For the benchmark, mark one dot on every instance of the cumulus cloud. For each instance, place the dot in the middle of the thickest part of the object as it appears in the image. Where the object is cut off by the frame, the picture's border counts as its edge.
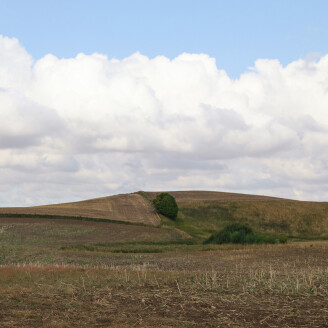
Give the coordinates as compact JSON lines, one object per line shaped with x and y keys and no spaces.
{"x":25,"y":123}
{"x":74,"y":128}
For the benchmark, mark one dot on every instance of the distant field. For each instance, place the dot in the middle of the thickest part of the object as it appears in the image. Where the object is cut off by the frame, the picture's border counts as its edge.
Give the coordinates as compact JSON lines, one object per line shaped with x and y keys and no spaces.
{"x":53,"y":232}
{"x":214,"y":196}
{"x":203,"y":212}
{"x":128,"y":207}
{"x":277,"y":218}
{"x":200,"y":213}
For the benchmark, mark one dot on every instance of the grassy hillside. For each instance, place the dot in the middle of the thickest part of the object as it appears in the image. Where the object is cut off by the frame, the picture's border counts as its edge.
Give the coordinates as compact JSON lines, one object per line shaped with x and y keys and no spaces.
{"x":191,"y":196}
{"x":202,"y":213}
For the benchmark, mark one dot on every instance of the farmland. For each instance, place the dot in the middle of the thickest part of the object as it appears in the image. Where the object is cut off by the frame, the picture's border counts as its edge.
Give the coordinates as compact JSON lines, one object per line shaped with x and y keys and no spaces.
{"x":126,"y":207}
{"x":62,"y":272}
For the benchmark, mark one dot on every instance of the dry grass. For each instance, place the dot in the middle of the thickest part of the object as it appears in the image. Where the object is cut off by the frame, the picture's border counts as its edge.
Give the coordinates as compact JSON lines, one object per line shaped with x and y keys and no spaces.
{"x":214,"y":196}
{"x":276,"y":286}
{"x":284,"y":217}
{"x":202,"y":213}
{"x":128,"y":207}
{"x":200,"y":210}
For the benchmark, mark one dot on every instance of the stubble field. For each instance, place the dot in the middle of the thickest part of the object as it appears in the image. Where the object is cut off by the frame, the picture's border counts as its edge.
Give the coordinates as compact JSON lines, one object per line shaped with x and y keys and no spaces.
{"x":228,"y":286}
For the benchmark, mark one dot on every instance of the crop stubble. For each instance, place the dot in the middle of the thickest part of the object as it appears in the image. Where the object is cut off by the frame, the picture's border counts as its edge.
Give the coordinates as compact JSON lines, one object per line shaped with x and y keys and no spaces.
{"x":258,"y":286}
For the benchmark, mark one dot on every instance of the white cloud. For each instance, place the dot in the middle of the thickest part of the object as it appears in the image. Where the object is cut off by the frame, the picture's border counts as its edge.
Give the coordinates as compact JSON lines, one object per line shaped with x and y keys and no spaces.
{"x":89,"y":126}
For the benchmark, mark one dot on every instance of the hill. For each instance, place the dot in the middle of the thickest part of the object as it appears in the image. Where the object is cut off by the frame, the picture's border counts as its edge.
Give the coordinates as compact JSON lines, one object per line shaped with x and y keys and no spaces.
{"x":126,"y":207}
{"x":203,"y":212}
{"x":214,"y":196}
{"x":200,"y":213}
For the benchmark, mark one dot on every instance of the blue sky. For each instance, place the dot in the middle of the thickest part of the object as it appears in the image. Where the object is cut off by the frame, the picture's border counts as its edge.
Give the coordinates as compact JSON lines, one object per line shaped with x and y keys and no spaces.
{"x":236,"y":33}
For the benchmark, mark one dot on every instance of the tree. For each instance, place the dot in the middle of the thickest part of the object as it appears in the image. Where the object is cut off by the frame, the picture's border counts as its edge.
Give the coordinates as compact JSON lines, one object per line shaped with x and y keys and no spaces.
{"x":165,"y":204}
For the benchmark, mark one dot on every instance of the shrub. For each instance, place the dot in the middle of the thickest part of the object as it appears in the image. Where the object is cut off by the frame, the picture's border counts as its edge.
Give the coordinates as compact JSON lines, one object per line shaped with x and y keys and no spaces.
{"x":165,"y":204}
{"x":238,"y":234}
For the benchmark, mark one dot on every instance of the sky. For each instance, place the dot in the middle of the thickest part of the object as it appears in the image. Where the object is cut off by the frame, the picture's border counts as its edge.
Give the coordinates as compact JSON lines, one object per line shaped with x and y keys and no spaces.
{"x":105,"y":97}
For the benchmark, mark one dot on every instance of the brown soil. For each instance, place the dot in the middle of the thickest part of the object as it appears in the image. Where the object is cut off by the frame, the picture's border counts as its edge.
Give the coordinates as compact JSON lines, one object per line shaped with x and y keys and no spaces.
{"x":50,"y":232}
{"x":148,"y":306}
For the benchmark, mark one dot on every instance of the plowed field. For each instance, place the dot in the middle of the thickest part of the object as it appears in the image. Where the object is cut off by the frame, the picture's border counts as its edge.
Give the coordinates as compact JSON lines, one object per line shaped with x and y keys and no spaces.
{"x":53,"y":232}
{"x":128,"y":207}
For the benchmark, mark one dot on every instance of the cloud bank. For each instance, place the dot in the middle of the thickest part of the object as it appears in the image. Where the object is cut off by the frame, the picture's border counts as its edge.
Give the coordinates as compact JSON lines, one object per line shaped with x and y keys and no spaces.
{"x":89,"y":126}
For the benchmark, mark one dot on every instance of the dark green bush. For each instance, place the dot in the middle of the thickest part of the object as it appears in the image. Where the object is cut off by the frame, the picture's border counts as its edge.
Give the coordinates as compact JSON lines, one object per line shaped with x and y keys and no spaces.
{"x":238,"y":234}
{"x":165,"y":204}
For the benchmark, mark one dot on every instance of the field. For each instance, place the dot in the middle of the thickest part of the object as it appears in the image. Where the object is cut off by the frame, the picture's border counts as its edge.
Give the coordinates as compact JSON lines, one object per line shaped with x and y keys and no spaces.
{"x":80,"y":272}
{"x":191,"y":196}
{"x":127,"y":207}
{"x":203,"y":212}
{"x":267,"y":286}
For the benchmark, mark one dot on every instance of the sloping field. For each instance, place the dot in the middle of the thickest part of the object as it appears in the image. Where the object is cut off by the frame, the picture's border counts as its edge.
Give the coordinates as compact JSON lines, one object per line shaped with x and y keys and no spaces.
{"x":128,"y":207}
{"x":204,"y":212}
{"x":213,"y":196}
{"x":47,"y":232}
{"x":201,"y":212}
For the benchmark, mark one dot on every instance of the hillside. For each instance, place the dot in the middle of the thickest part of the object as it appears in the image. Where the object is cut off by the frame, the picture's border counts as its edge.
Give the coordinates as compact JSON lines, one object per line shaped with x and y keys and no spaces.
{"x":127,"y":207}
{"x":201,"y":213}
{"x":190,"y":196}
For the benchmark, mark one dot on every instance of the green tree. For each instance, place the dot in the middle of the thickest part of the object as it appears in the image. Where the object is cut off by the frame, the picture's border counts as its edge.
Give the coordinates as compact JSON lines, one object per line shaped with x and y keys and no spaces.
{"x":165,"y":204}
